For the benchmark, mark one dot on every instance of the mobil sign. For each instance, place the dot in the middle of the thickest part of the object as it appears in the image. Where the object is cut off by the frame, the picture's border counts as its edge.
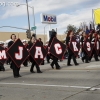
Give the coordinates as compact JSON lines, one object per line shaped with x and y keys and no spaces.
{"x":48,"y":19}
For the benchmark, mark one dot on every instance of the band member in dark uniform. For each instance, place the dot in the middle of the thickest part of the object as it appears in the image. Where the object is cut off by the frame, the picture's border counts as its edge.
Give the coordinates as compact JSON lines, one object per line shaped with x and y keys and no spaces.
{"x":40,"y":41}
{"x":71,"y":54}
{"x":48,"y":55}
{"x":94,"y":36}
{"x":42,"y":44}
{"x":1,"y":65}
{"x":85,"y":55}
{"x":98,"y":28}
{"x":48,"y":58}
{"x":25,"y":63}
{"x":55,"y":59}
{"x":13,"y":66}
{"x":7,"y":61}
{"x":32,"y":41}
{"x":99,"y":44}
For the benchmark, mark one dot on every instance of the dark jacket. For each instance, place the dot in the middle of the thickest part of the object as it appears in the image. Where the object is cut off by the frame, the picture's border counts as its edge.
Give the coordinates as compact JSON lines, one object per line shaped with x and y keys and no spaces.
{"x":29,"y":47}
{"x":67,"y":43}
{"x":67,"y":40}
{"x":10,"y":43}
{"x":41,"y":42}
{"x":50,"y":41}
{"x":82,"y":40}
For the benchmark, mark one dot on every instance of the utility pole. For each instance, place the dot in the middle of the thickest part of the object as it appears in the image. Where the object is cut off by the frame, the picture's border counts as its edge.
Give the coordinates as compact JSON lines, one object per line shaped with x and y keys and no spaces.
{"x":28,"y":18}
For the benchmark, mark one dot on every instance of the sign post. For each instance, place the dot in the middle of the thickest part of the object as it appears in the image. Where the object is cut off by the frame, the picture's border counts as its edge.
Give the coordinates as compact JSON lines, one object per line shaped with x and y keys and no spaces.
{"x":48,"y":19}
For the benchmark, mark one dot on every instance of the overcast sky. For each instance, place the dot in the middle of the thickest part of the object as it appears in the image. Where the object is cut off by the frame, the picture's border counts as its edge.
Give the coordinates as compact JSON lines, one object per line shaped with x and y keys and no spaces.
{"x":67,"y":11}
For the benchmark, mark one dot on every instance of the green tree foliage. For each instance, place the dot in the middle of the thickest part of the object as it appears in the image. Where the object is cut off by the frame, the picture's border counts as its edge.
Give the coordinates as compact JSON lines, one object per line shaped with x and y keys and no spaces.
{"x":71,"y":27}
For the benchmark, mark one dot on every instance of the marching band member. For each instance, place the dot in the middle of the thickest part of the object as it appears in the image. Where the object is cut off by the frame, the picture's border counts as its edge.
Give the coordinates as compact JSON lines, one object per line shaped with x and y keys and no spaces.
{"x":71,"y":54}
{"x":40,"y":41}
{"x":48,"y":55}
{"x":99,"y":43}
{"x":98,"y":28}
{"x":26,"y":46}
{"x":13,"y":66}
{"x":55,"y":59}
{"x":32,"y":41}
{"x":42,"y":44}
{"x":85,"y":55}
{"x":1,"y":65}
{"x":94,"y":36}
{"x":7,"y":61}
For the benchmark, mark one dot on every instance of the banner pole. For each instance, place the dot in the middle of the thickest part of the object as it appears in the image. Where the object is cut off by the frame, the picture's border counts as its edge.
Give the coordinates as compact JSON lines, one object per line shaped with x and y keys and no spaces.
{"x":93,"y":19}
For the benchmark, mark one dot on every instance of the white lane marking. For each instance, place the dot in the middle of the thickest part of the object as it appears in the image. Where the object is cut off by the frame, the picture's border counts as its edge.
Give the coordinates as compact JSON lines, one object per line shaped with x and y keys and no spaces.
{"x":44,"y":85}
{"x":93,"y":66}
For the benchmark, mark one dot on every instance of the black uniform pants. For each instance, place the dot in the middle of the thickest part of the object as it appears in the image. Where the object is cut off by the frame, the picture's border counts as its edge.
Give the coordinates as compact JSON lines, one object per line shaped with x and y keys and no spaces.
{"x":25,"y":62}
{"x":15,"y":69}
{"x":42,"y":62}
{"x":48,"y":58}
{"x":55,"y":61}
{"x":85,"y":56}
{"x":70,"y":56}
{"x":2,"y":67}
{"x":32,"y":67}
{"x":95,"y":55}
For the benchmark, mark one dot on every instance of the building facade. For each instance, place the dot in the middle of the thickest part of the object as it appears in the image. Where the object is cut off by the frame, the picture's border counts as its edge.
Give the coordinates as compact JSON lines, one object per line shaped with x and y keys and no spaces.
{"x":22,"y":35}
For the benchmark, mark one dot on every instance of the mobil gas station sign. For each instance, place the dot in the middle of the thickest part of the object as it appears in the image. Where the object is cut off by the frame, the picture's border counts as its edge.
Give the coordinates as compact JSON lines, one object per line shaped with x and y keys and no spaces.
{"x":48,"y":19}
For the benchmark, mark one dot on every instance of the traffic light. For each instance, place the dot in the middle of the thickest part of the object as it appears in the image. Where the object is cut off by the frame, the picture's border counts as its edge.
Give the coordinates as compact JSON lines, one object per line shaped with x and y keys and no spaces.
{"x":28,"y":34}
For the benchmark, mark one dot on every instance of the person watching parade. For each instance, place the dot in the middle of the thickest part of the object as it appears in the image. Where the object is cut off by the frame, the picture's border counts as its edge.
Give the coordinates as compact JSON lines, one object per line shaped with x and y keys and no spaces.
{"x":87,"y":30}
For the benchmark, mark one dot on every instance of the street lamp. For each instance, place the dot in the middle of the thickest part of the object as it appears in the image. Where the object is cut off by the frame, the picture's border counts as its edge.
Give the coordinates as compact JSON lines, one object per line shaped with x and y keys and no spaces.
{"x":33,"y":14}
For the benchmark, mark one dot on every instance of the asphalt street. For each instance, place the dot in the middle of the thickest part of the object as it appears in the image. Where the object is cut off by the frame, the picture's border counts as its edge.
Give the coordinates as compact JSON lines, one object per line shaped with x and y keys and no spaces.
{"x":70,"y":83}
